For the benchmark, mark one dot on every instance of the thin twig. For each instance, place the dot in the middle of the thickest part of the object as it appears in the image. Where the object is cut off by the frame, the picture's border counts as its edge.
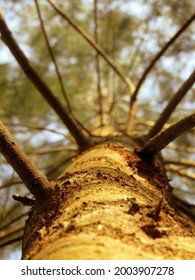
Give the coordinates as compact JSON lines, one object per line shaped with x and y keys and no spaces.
{"x":11,"y":241}
{"x":9,"y":184}
{"x":53,"y":150}
{"x":147,"y":71}
{"x":14,"y":220}
{"x":96,"y":46}
{"x":52,"y":56}
{"x":182,"y":149}
{"x":184,"y":207}
{"x":162,"y":139}
{"x":33,"y":127}
{"x":162,"y":51}
{"x":182,"y":161}
{"x":64,"y":92}
{"x":99,"y":89}
{"x":8,"y":39}
{"x":182,"y":173}
{"x":11,"y":231}
{"x":175,"y":100}
{"x":9,"y":212}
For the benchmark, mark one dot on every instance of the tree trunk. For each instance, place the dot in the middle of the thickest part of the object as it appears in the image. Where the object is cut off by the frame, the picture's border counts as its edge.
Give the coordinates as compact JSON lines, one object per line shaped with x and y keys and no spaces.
{"x":109,"y":204}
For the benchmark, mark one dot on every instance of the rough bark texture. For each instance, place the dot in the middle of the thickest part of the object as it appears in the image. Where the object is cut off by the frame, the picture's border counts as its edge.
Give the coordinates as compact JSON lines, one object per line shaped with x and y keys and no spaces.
{"x":109,"y":204}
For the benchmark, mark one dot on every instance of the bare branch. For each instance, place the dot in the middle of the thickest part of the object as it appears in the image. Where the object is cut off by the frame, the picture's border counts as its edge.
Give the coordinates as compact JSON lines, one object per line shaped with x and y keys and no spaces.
{"x":11,"y":231}
{"x":162,"y":51}
{"x":11,"y":241}
{"x":147,"y":71}
{"x":99,"y":89}
{"x":182,"y":149}
{"x":34,"y":180}
{"x":52,"y":55}
{"x":13,"y":221}
{"x":53,"y":150}
{"x":10,"y":183}
{"x":37,"y":81}
{"x":162,"y":139}
{"x":172,"y":105}
{"x":132,"y":115}
{"x":185,"y":207}
{"x":56,"y":67}
{"x":182,"y":173}
{"x":95,"y":45}
{"x":182,"y":161}
{"x":33,"y":127}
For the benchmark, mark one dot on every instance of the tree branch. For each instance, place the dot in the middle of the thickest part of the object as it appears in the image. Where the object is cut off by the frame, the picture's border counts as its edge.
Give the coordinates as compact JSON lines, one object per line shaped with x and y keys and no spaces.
{"x":99,"y":89}
{"x":162,"y":139}
{"x":11,"y":231}
{"x":95,"y":45}
{"x":148,"y":69}
{"x":182,"y":161}
{"x":172,"y":105}
{"x":53,"y":150}
{"x":33,"y":127}
{"x":13,"y":221}
{"x":34,"y":180}
{"x":9,"y":184}
{"x":11,"y":241}
{"x":52,"y":55}
{"x":37,"y":81}
{"x":56,"y":68}
{"x":182,"y":149}
{"x":182,"y":173}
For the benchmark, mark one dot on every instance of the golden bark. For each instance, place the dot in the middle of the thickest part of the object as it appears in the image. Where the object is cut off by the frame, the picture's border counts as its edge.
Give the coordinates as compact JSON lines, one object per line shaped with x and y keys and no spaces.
{"x":110,"y":204}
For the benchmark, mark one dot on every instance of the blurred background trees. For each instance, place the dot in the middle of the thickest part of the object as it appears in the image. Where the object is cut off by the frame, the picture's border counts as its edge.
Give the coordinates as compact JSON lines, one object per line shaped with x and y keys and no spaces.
{"x":131,"y":33}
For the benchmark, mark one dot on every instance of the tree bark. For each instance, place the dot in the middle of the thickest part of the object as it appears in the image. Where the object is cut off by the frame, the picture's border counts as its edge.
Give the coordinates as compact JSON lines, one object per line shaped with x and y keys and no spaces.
{"x":110,"y":204}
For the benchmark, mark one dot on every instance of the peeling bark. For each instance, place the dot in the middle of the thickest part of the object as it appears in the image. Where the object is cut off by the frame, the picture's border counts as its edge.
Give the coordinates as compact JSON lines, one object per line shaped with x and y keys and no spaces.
{"x":110,"y":204}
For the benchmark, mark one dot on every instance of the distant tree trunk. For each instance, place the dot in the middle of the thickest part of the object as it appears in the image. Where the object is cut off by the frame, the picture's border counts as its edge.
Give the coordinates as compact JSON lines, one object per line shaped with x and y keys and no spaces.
{"x":109,"y":204}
